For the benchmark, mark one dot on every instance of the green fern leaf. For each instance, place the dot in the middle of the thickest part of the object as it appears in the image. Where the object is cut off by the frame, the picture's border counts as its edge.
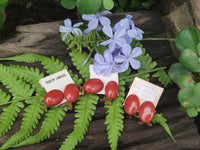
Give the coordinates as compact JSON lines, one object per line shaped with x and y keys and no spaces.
{"x":53,"y":65}
{"x":30,"y":75}
{"x":17,"y":87}
{"x":8,"y":116}
{"x":51,"y":123}
{"x":78,"y":60}
{"x":84,"y":109}
{"x":26,"y":57}
{"x":4,"y":97}
{"x":19,"y":90}
{"x":162,"y":77}
{"x":29,"y":122}
{"x":114,"y":118}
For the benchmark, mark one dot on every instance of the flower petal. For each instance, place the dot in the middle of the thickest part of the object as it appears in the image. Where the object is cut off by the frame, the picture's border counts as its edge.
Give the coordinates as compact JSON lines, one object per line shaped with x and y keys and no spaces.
{"x":126,"y":50}
{"x":77,"y":24}
{"x":77,"y":31}
{"x":112,"y":46}
{"x":124,"y":23}
{"x":88,"y":17}
{"x":107,"y":72}
{"x":119,"y":58}
{"x":68,"y":23}
{"x":64,"y":29}
{"x":106,"y":42}
{"x":99,"y":68}
{"x":108,"y":57}
{"x":120,"y":33}
{"x":124,"y":66}
{"x":106,"y":12}
{"x":120,"y":41}
{"x":108,"y":31}
{"x":135,"y":64}
{"x":98,"y":58}
{"x":64,"y":37}
{"x":137,"y":51}
{"x":93,"y":24}
{"x":104,"y":21}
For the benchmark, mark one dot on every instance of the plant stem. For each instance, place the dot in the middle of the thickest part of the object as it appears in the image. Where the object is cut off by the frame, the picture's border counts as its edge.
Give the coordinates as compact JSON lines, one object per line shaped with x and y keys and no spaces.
{"x":136,"y":74}
{"x":159,"y":39}
{"x":13,"y":101}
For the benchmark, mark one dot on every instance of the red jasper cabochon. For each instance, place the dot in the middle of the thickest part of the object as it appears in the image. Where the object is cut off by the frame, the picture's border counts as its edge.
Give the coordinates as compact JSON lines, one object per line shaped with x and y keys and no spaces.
{"x":111,"y":89}
{"x":146,"y":111}
{"x":131,"y":104}
{"x":53,"y":97}
{"x":71,"y":92}
{"x":93,"y":86}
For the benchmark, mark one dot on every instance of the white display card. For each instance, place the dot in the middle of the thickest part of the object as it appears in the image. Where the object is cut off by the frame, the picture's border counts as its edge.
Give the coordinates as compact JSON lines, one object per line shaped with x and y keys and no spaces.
{"x":58,"y":80}
{"x":105,"y":80}
{"x":145,"y":91}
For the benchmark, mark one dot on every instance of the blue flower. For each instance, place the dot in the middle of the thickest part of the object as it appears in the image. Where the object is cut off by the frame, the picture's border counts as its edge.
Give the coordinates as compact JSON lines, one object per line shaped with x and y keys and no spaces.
{"x":129,"y":57}
{"x":115,"y":40}
{"x":132,"y":30}
{"x":95,"y":19}
{"x":68,"y":28}
{"x":105,"y":64}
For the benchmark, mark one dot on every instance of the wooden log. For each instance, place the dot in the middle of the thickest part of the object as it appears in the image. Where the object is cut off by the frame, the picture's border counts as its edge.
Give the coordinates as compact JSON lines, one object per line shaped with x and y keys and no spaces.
{"x":44,"y":39}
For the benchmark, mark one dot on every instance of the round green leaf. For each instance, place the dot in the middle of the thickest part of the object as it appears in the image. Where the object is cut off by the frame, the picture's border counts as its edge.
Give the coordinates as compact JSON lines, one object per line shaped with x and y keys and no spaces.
{"x":176,"y":71}
{"x":68,"y":4}
{"x":88,"y":6}
{"x":187,"y":98}
{"x":190,"y":60}
{"x":188,"y":37}
{"x":197,"y":90}
{"x":108,"y":4}
{"x":192,"y":112}
{"x":186,"y":81}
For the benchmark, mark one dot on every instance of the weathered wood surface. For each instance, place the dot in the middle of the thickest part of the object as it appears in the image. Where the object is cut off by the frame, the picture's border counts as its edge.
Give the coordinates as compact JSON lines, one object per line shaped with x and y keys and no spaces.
{"x":44,"y":39}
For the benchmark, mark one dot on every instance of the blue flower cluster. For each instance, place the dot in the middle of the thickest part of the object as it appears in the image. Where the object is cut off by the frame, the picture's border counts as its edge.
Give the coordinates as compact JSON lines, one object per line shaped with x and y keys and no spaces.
{"x":119,"y":54}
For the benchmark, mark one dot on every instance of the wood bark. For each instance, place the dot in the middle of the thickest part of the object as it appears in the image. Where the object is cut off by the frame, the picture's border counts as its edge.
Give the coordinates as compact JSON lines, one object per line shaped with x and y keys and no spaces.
{"x":44,"y":38}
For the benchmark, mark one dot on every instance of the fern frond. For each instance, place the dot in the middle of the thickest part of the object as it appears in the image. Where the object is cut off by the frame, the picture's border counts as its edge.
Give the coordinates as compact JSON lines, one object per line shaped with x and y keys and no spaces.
{"x":162,"y":77}
{"x":17,"y":87}
{"x":114,"y":118}
{"x":29,"y":74}
{"x":84,"y":109}
{"x":29,"y":122}
{"x":4,"y":97}
{"x":8,"y":116}
{"x":78,"y":60}
{"x":51,"y":123}
{"x":26,"y":57}
{"x":53,"y":65}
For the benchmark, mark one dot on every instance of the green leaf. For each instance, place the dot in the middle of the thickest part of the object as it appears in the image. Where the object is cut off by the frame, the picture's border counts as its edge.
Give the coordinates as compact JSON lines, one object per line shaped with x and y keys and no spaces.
{"x":8,"y":116}
{"x":84,"y":109}
{"x":88,"y":6}
{"x":4,"y":97}
{"x":78,"y":60}
{"x":190,"y":60}
{"x":187,"y":38}
{"x":108,"y":4}
{"x":51,"y":123}
{"x":186,"y":81}
{"x":176,"y":71}
{"x":158,"y":118}
{"x":192,"y":112}
{"x":197,"y":89}
{"x":29,"y":122}
{"x":187,"y":98}
{"x":26,"y":57}
{"x":3,"y":6}
{"x":162,"y":77}
{"x":114,"y":117}
{"x":68,"y":4}
{"x":3,"y":2}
